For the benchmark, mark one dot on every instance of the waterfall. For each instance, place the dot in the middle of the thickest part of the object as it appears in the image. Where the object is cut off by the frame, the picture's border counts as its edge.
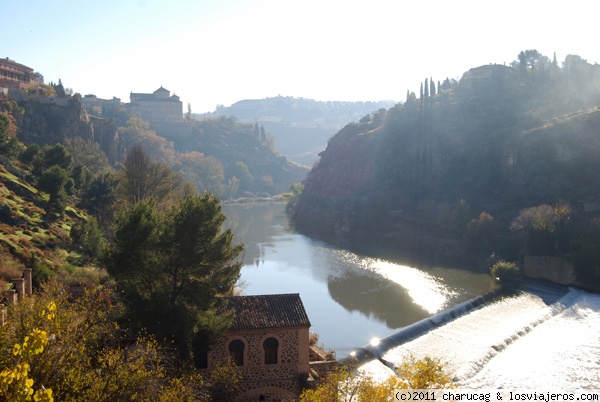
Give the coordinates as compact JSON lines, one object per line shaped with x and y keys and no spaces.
{"x":422,"y":327}
{"x":487,"y":345}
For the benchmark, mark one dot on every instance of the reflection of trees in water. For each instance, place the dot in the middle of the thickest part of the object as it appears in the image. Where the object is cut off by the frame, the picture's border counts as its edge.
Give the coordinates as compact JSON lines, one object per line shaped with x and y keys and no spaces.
{"x":253,"y":224}
{"x":375,"y":297}
{"x":259,"y":226}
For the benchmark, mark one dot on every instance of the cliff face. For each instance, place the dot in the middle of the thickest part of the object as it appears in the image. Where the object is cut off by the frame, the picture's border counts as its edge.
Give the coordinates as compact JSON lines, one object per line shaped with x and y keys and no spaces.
{"x":500,"y":139}
{"x":107,"y":138}
{"x":50,"y":120}
{"x":212,"y":154}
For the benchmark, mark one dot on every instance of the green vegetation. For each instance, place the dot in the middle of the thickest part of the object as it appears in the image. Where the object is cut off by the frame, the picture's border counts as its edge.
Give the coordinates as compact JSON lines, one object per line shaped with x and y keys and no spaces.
{"x":171,"y":267}
{"x":505,"y":271}
{"x":217,"y":155}
{"x":443,"y":176}
{"x":65,"y":344}
{"x":134,"y":330}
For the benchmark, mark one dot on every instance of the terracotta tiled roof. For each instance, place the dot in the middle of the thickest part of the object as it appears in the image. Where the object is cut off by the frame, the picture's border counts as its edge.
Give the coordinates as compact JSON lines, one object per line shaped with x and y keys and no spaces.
{"x":268,"y":311}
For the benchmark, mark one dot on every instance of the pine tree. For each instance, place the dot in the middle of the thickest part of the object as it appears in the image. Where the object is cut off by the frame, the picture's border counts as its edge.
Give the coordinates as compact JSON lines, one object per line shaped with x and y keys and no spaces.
{"x":171,"y":268}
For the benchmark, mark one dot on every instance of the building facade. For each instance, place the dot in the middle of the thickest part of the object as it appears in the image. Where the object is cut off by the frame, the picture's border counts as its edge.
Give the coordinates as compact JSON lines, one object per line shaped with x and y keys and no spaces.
{"x":157,"y":107}
{"x":97,"y":106}
{"x":269,"y":342}
{"x":17,"y":76}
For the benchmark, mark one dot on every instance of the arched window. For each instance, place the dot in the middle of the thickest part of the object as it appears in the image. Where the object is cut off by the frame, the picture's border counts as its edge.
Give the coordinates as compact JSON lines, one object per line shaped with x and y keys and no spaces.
{"x":236,"y":351}
{"x":271,"y":346}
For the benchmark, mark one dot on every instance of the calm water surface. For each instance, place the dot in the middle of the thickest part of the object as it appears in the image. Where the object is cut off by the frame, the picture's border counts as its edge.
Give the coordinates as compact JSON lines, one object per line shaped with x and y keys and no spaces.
{"x":349,"y":298}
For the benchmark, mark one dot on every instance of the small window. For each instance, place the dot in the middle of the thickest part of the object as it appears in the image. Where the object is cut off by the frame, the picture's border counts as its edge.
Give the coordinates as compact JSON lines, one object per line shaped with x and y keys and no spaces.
{"x":271,"y":346}
{"x":236,"y":351}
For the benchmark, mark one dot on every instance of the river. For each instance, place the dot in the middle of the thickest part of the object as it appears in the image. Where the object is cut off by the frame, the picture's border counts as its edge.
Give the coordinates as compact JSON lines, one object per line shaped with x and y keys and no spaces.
{"x":350,"y":299}
{"x":542,"y":339}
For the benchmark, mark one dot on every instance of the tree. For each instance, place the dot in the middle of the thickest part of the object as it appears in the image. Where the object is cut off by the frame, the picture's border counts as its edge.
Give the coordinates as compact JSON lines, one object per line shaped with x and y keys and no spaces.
{"x":56,"y":155}
{"x":9,"y":145}
{"x":141,"y":178}
{"x":482,"y":234}
{"x":55,"y":181}
{"x":188,"y":115}
{"x":292,"y":197}
{"x":224,"y":382}
{"x":172,"y":266}
{"x":241,"y":171}
{"x":533,"y":61}
{"x":31,"y":153}
{"x":425,"y":373}
{"x":346,"y":386}
{"x":99,"y":197}
{"x":87,"y":154}
{"x":87,"y":237}
{"x":545,"y":227}
{"x":72,"y":345}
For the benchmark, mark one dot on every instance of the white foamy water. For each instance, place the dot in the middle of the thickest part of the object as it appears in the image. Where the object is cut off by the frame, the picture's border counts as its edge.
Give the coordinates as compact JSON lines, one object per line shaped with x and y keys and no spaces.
{"x":516,"y":343}
{"x":563,"y":353}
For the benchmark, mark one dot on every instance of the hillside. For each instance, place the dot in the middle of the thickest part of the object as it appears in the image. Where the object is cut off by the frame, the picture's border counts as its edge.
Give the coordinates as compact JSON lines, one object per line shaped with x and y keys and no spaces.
{"x":299,"y":127}
{"x":410,"y":180}
{"x":29,"y":236}
{"x":218,"y":155}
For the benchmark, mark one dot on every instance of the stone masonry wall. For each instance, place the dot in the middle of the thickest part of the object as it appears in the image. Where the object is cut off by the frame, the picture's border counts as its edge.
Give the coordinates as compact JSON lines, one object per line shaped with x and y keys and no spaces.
{"x":554,"y":269}
{"x":257,"y":375}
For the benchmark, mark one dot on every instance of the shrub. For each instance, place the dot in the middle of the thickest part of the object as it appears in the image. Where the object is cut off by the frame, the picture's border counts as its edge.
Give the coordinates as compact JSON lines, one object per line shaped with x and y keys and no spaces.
{"x":85,"y":355}
{"x":505,"y":271}
{"x":413,"y":373}
{"x":10,"y":268}
{"x":88,"y":238}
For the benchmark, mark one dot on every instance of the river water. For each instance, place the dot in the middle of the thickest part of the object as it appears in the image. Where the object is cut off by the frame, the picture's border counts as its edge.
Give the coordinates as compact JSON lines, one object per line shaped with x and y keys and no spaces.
{"x":544,"y":339}
{"x":350,"y":299}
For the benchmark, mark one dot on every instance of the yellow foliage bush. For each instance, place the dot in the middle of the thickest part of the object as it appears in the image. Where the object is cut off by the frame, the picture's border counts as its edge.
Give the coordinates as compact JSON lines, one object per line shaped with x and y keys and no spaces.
{"x":347,"y":386}
{"x":73,"y":346}
{"x":15,"y":382}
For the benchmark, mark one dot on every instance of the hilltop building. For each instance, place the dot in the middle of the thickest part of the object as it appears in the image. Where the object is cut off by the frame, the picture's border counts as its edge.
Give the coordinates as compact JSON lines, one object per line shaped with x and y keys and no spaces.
{"x":17,"y":76}
{"x":269,"y":341}
{"x":93,"y":104}
{"x":157,"y":107}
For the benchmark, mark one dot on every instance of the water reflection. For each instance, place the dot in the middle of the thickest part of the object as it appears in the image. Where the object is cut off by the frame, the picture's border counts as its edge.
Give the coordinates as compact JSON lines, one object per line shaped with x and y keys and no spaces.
{"x":349,"y":298}
{"x":426,"y":290}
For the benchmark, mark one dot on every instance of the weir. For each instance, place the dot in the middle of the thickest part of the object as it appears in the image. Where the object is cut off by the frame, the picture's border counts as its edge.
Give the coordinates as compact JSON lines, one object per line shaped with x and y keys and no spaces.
{"x":536,"y":295}
{"x":419,"y":328}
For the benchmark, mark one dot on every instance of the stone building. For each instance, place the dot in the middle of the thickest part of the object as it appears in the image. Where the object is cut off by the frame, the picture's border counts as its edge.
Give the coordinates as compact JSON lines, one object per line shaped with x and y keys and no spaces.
{"x":17,"y":76}
{"x":97,"y":106}
{"x":270,"y":343}
{"x":157,"y":107}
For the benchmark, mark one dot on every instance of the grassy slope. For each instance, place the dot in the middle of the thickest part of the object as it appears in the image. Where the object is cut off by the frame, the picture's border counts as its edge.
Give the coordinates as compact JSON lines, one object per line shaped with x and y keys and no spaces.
{"x":27,"y":237}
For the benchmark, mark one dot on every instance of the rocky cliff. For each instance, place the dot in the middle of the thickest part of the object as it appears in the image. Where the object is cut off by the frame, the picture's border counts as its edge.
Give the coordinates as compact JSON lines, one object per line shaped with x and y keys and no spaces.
{"x":411,"y":178}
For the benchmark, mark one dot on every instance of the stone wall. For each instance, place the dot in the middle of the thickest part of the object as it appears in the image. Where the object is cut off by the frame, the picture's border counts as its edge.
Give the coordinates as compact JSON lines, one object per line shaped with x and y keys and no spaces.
{"x":272,"y":382}
{"x":553,"y":269}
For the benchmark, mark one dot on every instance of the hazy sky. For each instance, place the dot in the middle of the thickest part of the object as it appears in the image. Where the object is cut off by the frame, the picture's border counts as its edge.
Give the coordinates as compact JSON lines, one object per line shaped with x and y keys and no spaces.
{"x":213,"y":52}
